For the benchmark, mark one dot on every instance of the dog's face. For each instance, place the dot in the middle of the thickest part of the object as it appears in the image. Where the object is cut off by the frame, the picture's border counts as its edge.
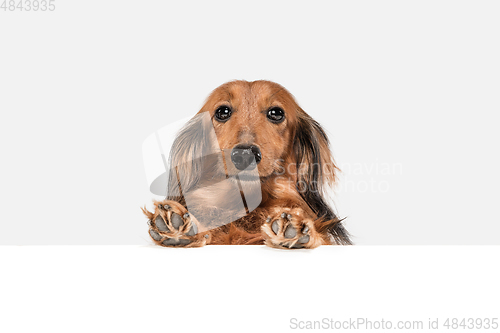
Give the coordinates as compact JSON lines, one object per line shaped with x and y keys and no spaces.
{"x":255,"y":122}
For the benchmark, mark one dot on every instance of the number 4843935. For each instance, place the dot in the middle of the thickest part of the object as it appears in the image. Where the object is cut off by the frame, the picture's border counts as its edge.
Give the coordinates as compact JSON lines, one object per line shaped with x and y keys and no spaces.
{"x":28,"y":5}
{"x":471,"y":323}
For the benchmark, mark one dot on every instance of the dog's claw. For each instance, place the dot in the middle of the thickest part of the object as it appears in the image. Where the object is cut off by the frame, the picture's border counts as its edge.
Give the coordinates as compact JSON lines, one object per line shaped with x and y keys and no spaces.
{"x":164,"y":207}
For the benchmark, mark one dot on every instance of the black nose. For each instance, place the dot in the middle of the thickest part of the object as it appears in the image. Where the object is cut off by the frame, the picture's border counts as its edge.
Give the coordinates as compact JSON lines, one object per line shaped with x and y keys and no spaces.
{"x":245,"y":157}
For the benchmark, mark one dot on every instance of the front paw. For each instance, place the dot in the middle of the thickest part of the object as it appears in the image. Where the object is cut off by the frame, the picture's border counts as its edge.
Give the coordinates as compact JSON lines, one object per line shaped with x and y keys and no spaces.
{"x":171,"y":225}
{"x":291,"y":229}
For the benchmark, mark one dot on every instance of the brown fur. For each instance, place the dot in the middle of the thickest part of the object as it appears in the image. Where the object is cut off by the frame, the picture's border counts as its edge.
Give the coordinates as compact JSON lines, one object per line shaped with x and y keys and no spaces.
{"x":295,"y":156}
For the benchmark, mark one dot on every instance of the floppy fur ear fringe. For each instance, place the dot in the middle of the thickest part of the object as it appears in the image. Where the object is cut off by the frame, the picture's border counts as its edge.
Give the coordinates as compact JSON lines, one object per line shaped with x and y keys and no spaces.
{"x":185,"y":159}
{"x":316,"y":168}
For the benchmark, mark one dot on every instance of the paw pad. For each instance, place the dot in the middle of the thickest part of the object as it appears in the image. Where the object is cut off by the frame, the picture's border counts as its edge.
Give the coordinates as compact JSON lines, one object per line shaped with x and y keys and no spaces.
{"x":303,"y":239}
{"x":156,"y":236}
{"x":290,"y":231}
{"x":276,"y":227}
{"x":193,"y":231}
{"x":176,"y":220}
{"x":173,"y":241}
{"x":160,"y":224}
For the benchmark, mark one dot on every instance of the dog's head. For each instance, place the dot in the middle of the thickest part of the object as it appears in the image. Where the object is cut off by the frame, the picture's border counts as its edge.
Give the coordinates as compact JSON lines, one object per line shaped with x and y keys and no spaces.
{"x":259,"y":126}
{"x":262,"y":126}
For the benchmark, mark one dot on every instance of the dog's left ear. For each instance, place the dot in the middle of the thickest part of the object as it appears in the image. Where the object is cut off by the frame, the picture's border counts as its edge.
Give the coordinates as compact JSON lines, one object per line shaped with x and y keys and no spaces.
{"x":316,"y":170}
{"x":314,"y":159}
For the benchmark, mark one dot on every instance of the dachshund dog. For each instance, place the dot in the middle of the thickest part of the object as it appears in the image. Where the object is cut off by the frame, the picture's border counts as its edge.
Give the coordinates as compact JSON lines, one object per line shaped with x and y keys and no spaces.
{"x":263,"y":150}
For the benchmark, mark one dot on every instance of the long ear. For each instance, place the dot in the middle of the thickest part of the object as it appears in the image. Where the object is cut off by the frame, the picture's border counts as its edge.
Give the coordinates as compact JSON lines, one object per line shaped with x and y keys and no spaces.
{"x":186,"y":156}
{"x":316,"y":171}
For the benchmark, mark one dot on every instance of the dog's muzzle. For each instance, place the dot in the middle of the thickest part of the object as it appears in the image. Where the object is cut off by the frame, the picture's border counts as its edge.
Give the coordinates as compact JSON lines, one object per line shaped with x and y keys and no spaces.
{"x":246,"y":157}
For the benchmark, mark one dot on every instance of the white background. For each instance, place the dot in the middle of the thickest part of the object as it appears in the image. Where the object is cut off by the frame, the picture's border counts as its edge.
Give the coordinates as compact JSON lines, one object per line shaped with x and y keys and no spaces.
{"x":412,"y":85}
{"x":407,"y":84}
{"x":242,"y":288}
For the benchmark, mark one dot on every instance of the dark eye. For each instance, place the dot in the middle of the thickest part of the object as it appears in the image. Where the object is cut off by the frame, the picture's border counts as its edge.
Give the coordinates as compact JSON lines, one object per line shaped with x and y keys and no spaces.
{"x":276,"y":114}
{"x":223,"y":113}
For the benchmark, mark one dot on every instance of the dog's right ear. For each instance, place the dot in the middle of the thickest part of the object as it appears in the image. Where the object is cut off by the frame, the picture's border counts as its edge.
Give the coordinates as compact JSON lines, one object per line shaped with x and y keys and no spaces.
{"x":317,"y":170}
{"x":192,"y":143}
